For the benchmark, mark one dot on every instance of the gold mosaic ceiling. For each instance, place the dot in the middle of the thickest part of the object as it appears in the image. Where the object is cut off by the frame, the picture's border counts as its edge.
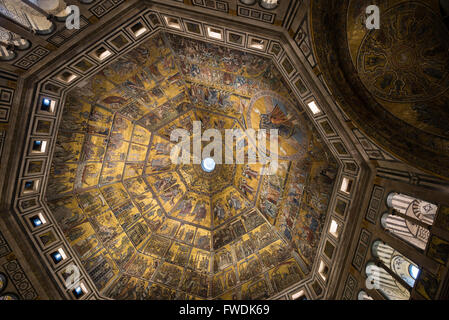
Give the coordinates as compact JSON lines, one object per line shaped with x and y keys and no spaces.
{"x":144,"y":228}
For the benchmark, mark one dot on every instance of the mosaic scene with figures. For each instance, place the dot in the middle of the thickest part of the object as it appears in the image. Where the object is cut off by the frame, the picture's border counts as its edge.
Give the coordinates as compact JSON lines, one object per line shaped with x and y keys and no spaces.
{"x":320,"y":173}
{"x":145,"y":228}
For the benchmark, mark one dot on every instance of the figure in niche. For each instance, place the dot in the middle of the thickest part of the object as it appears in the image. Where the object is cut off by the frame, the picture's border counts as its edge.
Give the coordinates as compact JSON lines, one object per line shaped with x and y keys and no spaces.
{"x":161,"y":148}
{"x":200,"y":211}
{"x":203,"y":242}
{"x":230,"y":279}
{"x":245,"y":188}
{"x":224,"y":259}
{"x":90,"y":172}
{"x":185,"y":206}
{"x":171,"y":193}
{"x":234,"y":202}
{"x":161,"y":164}
{"x":249,"y":173}
{"x":294,"y":193}
{"x":329,"y":174}
{"x":189,"y":236}
{"x":219,"y":211}
{"x":164,"y":182}
{"x":238,"y":229}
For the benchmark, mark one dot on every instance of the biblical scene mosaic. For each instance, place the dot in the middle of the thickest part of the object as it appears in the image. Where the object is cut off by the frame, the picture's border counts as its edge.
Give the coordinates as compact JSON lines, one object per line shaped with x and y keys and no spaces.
{"x":145,"y":228}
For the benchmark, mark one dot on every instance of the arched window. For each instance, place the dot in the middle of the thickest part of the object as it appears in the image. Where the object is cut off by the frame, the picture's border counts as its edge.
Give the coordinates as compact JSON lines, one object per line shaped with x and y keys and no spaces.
{"x":415,"y":208}
{"x":57,"y":8}
{"x":26,"y":16}
{"x":410,"y":218}
{"x":408,"y":231}
{"x":364,"y":296}
{"x":396,"y":262}
{"x":378,"y":278}
{"x":9,"y":39}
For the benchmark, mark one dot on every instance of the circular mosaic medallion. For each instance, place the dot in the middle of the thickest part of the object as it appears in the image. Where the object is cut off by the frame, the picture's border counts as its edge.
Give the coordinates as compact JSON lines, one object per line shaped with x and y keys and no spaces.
{"x":9,"y":296}
{"x":407,"y":59}
{"x":268,"y":111}
{"x":3,"y":282}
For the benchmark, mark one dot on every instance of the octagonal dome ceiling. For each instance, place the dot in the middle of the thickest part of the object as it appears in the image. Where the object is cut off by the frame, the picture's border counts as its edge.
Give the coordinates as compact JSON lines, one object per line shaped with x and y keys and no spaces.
{"x":145,"y":228}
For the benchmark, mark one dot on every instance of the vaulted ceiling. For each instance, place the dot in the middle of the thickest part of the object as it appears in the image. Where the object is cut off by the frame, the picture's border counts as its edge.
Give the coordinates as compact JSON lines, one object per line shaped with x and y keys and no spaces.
{"x":146,"y":228}
{"x":392,"y":82}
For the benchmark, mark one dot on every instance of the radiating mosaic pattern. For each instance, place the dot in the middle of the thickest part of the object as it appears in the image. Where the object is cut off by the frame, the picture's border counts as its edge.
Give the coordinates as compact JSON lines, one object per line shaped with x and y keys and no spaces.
{"x":145,"y":228}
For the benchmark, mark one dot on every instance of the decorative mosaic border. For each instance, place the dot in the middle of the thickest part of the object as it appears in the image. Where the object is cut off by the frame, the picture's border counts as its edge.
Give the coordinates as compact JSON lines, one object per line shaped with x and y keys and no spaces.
{"x":104,"y":7}
{"x":20,"y":280}
{"x":6,"y":98}
{"x":4,"y":247}
{"x":372,"y":151}
{"x":53,"y":87}
{"x":372,"y":213}
{"x":64,"y":35}
{"x":220,"y":6}
{"x":351,"y":285}
{"x":254,"y":14}
{"x":303,"y":42}
{"x":32,"y":58}
{"x":362,"y":249}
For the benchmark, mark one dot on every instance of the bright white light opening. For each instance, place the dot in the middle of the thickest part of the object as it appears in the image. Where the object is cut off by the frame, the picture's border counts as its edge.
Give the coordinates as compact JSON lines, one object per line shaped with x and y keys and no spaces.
{"x":257,"y":44}
{"x":323,"y":270}
{"x":208,"y":164}
{"x":214,"y":33}
{"x":298,"y":295}
{"x":62,"y":253}
{"x":102,"y":53}
{"x":67,"y":77}
{"x":138,"y":29}
{"x":313,"y":107}
{"x":346,"y":185}
{"x":333,"y":229}
{"x":172,"y":23}
{"x":414,"y":271}
{"x":42,"y":218}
